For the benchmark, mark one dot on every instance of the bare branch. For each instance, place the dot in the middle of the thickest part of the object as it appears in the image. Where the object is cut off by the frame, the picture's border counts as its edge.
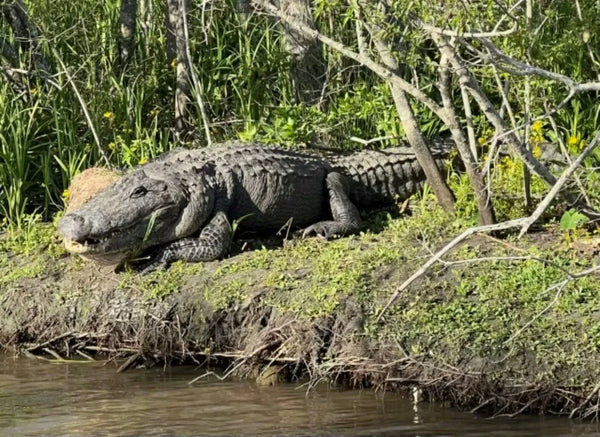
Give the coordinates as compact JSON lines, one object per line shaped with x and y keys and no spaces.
{"x":486,"y":212}
{"x":518,"y":68}
{"x":468,"y":35}
{"x":409,"y":123}
{"x":564,"y":177}
{"x":469,"y":120}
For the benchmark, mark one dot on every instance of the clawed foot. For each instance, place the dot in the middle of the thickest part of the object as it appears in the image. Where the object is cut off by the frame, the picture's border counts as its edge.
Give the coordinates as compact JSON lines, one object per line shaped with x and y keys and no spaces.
{"x":324,"y":230}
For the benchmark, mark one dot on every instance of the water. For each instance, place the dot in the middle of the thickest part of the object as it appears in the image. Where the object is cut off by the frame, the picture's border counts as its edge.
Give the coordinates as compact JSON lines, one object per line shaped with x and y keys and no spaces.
{"x":43,"y":398}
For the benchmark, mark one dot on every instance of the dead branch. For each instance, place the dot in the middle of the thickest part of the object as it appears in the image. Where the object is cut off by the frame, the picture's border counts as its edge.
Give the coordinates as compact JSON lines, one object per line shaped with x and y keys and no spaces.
{"x":557,"y":187}
{"x":467,"y":79}
{"x":485,"y":209}
{"x":518,"y":68}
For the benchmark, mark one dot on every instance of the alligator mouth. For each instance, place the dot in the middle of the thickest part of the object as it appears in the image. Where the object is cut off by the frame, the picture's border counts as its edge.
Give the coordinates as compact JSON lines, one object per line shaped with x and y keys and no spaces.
{"x":96,"y":244}
{"x":101,"y":244}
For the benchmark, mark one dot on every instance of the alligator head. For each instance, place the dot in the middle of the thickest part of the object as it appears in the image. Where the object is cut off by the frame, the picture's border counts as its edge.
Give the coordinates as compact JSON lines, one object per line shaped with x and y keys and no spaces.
{"x":142,"y":209}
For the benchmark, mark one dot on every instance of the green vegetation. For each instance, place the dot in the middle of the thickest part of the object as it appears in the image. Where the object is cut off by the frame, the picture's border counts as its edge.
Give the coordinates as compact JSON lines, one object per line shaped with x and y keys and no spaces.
{"x":243,"y":72}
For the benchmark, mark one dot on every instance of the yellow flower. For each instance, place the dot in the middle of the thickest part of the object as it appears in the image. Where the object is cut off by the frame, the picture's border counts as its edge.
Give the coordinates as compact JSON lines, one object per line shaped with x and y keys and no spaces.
{"x":66,"y":194}
{"x":174,"y":63}
{"x":537,"y":151}
{"x":143,"y":161}
{"x":33,"y":91}
{"x":537,"y":125}
{"x":573,"y":140}
{"x":481,"y":140}
{"x":112,"y":145}
{"x":109,"y":115}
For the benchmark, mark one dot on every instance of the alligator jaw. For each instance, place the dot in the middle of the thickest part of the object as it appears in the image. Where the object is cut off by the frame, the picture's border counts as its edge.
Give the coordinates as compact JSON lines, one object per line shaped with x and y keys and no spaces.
{"x":87,"y":246}
{"x":95,"y":253}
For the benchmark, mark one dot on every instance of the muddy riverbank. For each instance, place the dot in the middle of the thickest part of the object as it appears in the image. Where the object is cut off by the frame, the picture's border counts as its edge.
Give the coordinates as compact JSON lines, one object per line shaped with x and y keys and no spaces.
{"x":503,"y":326}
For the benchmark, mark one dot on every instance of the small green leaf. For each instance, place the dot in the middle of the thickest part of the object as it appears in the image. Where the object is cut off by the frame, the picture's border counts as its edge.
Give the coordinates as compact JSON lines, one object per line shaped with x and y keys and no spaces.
{"x":572,"y":219}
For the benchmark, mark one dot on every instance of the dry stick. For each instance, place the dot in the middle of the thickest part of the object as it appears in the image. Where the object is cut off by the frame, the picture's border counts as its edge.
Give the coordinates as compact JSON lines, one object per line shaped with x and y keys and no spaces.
{"x":435,"y":258}
{"x":31,"y":348}
{"x":527,"y":134}
{"x":469,"y":119}
{"x":193,"y":76}
{"x":466,"y":78}
{"x":559,"y":184}
{"x":594,"y":392}
{"x":527,"y":95}
{"x":103,"y":152}
{"x":518,"y":68}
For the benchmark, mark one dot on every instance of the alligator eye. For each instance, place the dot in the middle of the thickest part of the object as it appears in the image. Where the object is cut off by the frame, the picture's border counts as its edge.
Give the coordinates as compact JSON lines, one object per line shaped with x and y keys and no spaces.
{"x":138,"y":192}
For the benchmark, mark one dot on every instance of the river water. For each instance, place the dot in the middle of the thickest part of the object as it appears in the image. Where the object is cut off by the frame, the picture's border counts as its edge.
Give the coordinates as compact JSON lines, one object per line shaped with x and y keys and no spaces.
{"x":45,"y":398}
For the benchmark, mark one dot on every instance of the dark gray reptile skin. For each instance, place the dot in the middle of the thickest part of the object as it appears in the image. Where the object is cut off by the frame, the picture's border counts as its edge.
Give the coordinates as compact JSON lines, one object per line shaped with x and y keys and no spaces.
{"x":184,"y":201}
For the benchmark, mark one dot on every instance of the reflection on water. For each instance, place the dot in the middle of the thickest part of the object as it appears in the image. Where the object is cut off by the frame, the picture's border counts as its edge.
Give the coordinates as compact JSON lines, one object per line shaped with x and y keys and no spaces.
{"x":41,"y":398}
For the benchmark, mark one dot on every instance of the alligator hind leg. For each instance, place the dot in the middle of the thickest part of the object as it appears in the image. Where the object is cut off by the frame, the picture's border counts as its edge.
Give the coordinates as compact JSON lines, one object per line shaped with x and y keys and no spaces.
{"x":213,"y":243}
{"x":346,"y":219}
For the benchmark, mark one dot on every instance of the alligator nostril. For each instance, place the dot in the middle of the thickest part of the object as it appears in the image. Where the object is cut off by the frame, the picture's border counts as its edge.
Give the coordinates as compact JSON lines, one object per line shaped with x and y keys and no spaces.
{"x":77,"y":219}
{"x":72,"y":226}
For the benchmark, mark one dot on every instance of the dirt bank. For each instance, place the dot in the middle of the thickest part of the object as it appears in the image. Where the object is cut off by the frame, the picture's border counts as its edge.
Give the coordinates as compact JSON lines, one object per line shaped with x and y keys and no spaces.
{"x":501,"y":324}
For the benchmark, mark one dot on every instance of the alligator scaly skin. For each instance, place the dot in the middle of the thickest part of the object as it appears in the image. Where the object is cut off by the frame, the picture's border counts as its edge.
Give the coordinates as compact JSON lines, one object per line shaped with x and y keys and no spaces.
{"x":182,"y":203}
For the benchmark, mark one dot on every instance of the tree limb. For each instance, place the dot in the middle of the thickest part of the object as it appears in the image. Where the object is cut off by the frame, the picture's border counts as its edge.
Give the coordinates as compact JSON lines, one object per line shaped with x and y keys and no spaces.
{"x":564,"y":177}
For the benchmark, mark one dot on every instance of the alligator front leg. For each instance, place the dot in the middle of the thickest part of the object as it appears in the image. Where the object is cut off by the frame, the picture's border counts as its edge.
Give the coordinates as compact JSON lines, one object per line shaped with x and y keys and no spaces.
{"x":213,"y":243}
{"x":346,"y":218}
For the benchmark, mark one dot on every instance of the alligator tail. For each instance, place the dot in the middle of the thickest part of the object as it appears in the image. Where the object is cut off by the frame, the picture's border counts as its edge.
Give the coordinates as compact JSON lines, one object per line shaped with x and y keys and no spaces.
{"x":384,"y":176}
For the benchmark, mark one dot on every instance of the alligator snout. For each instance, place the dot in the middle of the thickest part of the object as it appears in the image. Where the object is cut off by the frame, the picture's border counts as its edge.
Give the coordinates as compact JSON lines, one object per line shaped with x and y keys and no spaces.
{"x":74,"y":227}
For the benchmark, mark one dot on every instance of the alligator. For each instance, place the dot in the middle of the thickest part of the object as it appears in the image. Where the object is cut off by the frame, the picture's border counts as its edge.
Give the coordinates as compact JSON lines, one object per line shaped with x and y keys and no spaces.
{"x":180,"y":206}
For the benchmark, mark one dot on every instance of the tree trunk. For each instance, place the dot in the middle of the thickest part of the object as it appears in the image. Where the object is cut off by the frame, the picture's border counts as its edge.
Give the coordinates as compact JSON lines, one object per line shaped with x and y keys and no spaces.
{"x":183,"y":126}
{"x":307,"y":65}
{"x":410,"y":125}
{"x":27,"y":35}
{"x":127,"y":20}
{"x":170,"y":39}
{"x":484,"y":204}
